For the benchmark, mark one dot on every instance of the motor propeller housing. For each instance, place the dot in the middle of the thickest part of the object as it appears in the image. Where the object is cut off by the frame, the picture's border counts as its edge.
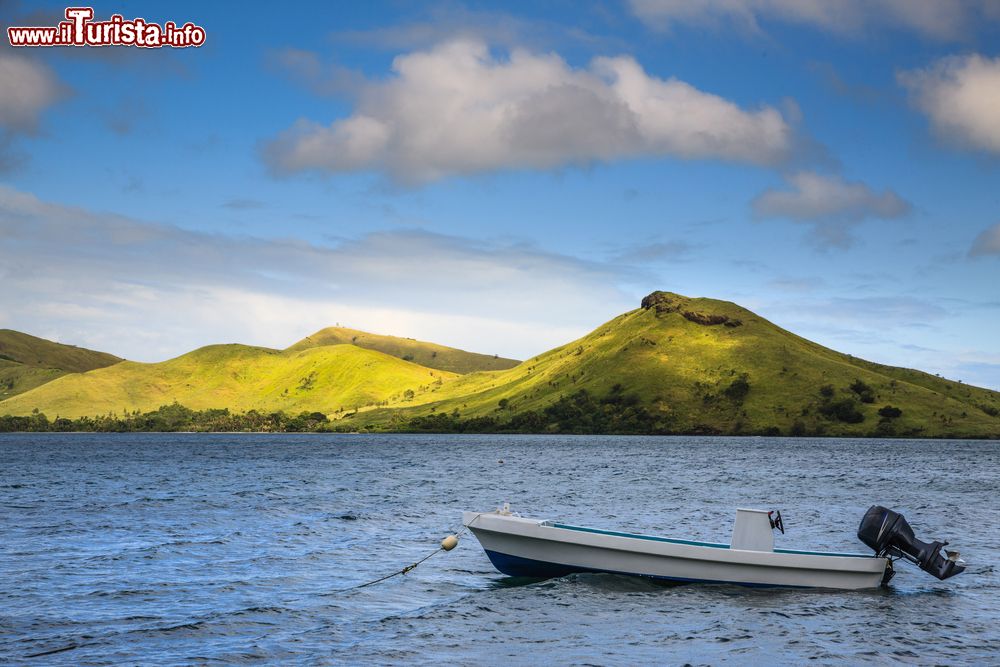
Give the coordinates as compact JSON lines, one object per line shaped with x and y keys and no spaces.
{"x":889,"y":534}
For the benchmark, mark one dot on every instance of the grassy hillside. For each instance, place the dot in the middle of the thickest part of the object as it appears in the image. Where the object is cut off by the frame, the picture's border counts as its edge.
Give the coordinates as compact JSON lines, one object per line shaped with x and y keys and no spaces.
{"x":698,"y":365}
{"x":674,"y":365}
{"x":425,"y":354}
{"x":239,"y":377}
{"x":27,"y":362}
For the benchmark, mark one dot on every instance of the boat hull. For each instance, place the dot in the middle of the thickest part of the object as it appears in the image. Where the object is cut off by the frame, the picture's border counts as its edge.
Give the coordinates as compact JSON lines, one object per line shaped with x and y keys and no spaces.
{"x":534,"y":548}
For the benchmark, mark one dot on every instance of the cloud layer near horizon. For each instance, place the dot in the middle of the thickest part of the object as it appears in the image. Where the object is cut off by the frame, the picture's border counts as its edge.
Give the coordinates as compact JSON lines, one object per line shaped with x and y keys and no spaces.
{"x":457,"y":109}
{"x":71,"y":272}
{"x":150,"y":291}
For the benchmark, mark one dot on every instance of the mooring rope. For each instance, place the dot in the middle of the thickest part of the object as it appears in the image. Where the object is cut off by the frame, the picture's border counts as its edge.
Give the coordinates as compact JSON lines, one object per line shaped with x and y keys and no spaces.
{"x":411,"y":565}
{"x":74,"y":645}
{"x":389,"y":576}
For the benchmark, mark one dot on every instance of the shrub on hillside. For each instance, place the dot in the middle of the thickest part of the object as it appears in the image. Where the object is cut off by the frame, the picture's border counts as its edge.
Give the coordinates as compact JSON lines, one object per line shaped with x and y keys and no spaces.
{"x":889,"y":412}
{"x":738,"y":389}
{"x":845,"y":410}
{"x":864,"y":392}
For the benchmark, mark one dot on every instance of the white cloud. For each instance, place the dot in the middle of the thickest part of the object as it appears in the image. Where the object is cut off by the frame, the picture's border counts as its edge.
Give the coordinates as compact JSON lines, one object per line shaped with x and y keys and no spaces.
{"x":961,"y":96}
{"x":458,"y":109}
{"x":987,"y":243}
{"x":29,"y":88}
{"x":936,"y":19}
{"x":149,"y":291}
{"x":831,"y":204}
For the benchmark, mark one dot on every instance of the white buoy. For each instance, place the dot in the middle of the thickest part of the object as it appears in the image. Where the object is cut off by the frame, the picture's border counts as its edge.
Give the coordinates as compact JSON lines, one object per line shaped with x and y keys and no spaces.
{"x":449,"y":543}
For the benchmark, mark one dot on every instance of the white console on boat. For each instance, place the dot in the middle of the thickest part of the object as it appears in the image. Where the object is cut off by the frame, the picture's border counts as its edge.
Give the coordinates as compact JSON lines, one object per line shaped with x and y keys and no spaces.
{"x":752,"y":531}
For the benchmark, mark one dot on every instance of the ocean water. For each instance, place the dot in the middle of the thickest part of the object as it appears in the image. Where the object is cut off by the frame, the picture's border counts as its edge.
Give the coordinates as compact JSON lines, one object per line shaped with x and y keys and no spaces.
{"x":234,"y":549}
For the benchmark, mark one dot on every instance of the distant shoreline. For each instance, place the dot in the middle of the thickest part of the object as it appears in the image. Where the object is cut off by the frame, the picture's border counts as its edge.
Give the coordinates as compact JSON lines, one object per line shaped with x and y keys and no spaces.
{"x":531,"y":434}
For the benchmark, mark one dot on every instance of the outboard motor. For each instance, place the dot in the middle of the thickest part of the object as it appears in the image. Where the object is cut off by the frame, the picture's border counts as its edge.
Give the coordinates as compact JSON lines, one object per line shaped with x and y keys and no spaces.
{"x":889,"y":534}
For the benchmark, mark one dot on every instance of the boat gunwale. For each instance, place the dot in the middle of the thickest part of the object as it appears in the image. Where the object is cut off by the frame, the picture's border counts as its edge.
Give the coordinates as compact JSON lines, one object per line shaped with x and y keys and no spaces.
{"x":695,"y":543}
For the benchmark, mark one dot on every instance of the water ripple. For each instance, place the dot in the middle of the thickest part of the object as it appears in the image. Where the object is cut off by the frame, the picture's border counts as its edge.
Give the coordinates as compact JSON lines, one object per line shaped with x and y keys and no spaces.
{"x":231,"y":549}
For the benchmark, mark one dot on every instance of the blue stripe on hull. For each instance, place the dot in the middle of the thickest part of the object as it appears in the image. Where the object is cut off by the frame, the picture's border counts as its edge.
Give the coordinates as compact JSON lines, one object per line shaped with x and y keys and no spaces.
{"x":516,"y":566}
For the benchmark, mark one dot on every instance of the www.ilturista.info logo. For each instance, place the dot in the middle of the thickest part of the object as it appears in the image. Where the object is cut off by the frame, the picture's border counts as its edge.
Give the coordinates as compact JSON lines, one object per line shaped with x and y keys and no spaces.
{"x":79,"y":29}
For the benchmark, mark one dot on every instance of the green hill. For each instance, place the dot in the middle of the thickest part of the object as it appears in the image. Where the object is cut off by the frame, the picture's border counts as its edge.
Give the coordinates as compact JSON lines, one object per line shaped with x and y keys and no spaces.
{"x":27,"y":362}
{"x":238,"y":377}
{"x":674,"y":365}
{"x":684,"y":365}
{"x":430,"y":355}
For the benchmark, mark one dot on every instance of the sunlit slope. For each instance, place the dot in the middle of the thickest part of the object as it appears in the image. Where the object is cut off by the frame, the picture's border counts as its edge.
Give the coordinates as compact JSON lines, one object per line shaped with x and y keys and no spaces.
{"x":680,"y":358}
{"x":27,"y":361}
{"x":238,"y":377}
{"x":430,"y":355}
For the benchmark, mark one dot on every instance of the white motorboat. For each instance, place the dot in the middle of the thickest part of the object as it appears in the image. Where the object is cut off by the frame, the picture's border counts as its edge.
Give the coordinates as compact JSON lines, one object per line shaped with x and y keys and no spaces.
{"x":538,"y":548}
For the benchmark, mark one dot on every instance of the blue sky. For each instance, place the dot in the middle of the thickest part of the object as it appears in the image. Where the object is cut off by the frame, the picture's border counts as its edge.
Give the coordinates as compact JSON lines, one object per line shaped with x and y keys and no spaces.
{"x":505,"y":177}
